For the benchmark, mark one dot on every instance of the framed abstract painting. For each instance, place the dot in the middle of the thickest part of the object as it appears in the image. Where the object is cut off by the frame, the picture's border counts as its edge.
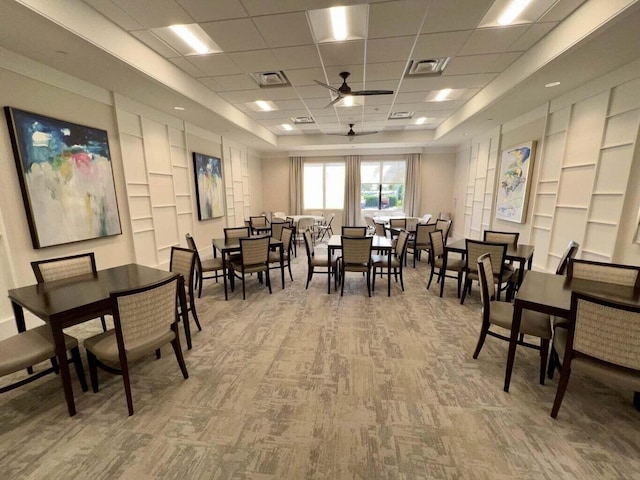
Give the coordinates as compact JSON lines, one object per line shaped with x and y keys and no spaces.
{"x":514,"y":182}
{"x":209,"y":186}
{"x":66,"y":178}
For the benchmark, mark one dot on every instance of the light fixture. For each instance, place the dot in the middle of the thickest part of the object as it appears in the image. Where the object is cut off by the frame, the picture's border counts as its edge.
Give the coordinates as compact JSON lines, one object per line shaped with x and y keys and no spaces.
{"x":512,"y":11}
{"x":339,"y":23}
{"x":264,"y":105}
{"x":188,"y":39}
{"x":180,"y":109}
{"x":442,"y":94}
{"x":421,"y":120}
{"x":287,"y":127}
{"x":552,"y":84}
{"x":347,"y":101}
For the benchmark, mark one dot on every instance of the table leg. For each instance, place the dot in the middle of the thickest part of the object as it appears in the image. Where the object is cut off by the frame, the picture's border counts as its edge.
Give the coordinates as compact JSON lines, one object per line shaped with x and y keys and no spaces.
{"x":443,"y":271}
{"x":65,"y":375}
{"x":282,"y":263}
{"x":636,"y":400}
{"x":224,"y":274}
{"x":183,"y":310}
{"x":389,"y":272}
{"x":513,"y":343}
{"x":330,"y":252}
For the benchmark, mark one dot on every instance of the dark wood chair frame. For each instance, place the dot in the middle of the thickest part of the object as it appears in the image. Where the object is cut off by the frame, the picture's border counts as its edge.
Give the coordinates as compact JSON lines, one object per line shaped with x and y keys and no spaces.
{"x":188,"y":282}
{"x":199,"y":275}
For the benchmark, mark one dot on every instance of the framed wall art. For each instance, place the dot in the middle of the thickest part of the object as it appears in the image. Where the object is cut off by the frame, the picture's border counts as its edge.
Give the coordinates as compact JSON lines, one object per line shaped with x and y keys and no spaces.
{"x":209,"y":186}
{"x":66,"y":178}
{"x":514,"y":182}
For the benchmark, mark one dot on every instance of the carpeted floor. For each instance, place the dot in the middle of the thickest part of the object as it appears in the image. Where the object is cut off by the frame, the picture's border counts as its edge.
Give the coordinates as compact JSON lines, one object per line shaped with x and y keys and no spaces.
{"x":304,"y":385}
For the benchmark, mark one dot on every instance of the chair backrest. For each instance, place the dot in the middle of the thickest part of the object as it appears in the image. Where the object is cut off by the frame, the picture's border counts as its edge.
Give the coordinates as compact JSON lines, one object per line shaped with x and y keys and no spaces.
{"x":437,"y":244}
{"x":445,"y":226}
{"x":426,"y":218}
{"x":422,"y":233}
{"x":487,"y":282}
{"x":191,"y":245}
{"x":281,"y":215}
{"x":356,"y":250}
{"x":236,"y":232}
{"x":626,"y":275}
{"x":354,"y":231}
{"x":444,"y":216}
{"x":605,"y":330}
{"x":570,"y":252}
{"x":401,"y":244}
{"x":287,"y":235}
{"x":476,"y":248}
{"x":259,"y":221}
{"x":412,"y":223}
{"x":254,"y":251}
{"x":380,"y":230}
{"x":368,"y":219}
{"x":308,"y":243}
{"x":144,"y":314}
{"x":64,"y":267}
{"x":398,"y":222}
{"x":183,"y":261}
{"x":305,"y":222}
{"x":276,"y":229}
{"x":331,"y":217}
{"x":510,"y":238}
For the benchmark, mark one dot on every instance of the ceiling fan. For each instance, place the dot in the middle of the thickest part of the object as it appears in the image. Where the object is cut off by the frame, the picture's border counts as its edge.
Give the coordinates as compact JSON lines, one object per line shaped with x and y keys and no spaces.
{"x":345,"y":90}
{"x":351,"y":134}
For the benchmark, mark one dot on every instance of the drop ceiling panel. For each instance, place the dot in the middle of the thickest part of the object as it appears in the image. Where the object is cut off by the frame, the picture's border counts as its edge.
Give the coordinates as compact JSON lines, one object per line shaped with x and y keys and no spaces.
{"x":290,"y":104}
{"x":531,"y":36}
{"x":385,"y":71}
{"x":490,"y":63}
{"x":492,"y":40}
{"x":149,"y":39}
{"x":235,"y":35}
{"x":444,"y":44}
{"x":561,"y":10}
{"x":208,"y":11}
{"x":161,"y":14}
{"x":313,"y":92}
{"x":305,"y":76}
{"x":297,"y":57}
{"x":242,"y":96}
{"x":241,"y":81}
{"x":187,"y":66}
{"x":280,"y":93}
{"x":115,"y":14}
{"x":341,"y":53}
{"x":287,"y":30}
{"x":448,"y":15}
{"x":262,"y":7}
{"x":333,"y":73}
{"x":395,"y":19}
{"x":425,"y":84}
{"x":210,"y":83}
{"x":389,"y":49}
{"x":255,"y":61}
{"x":215,"y":65}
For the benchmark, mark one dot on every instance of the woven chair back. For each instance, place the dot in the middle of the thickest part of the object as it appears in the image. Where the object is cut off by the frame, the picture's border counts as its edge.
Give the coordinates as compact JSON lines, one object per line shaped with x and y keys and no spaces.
{"x":354,"y":231}
{"x":475,"y":249}
{"x":287,"y":235}
{"x":422,"y":233}
{"x":356,"y":250}
{"x":64,"y":267}
{"x":380,"y":231}
{"x":236,"y":232}
{"x":259,"y":221}
{"x":255,"y":251}
{"x":510,"y":238}
{"x":437,"y":243}
{"x":398,"y":222}
{"x":487,"y":283}
{"x":401,"y":244}
{"x":183,"y":262}
{"x":625,"y":275}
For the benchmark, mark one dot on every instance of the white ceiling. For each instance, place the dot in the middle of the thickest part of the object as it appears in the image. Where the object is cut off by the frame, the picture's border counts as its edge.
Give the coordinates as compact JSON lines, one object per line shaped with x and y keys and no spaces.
{"x":495,"y":73}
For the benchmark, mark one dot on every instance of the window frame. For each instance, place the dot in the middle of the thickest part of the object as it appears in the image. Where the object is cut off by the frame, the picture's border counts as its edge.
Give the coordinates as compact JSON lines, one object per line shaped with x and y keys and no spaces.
{"x":324,"y":164}
{"x":380,"y":183}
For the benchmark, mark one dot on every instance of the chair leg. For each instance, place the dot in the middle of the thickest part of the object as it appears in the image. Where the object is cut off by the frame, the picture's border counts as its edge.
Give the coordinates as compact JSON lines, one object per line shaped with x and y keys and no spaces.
{"x":93,"y":371}
{"x":430,"y":278}
{"x":127,"y":387}
{"x":195,"y":315}
{"x":369,"y":282}
{"x":459,"y":283}
{"x":104,"y":323}
{"x":309,"y":275}
{"x":269,"y":281}
{"x":467,"y":286}
{"x":373,"y":282}
{"x":289,"y":267}
{"x":200,"y":285}
{"x":158,"y":354}
{"x":243,"y":294}
{"x":483,"y":335}
{"x":565,"y":373}
{"x":77,"y":363}
{"x":553,"y":362}
{"x":544,"y":354}
{"x":342,"y":276}
{"x":54,"y":366}
{"x":401,"y":280}
{"x":175,"y":343}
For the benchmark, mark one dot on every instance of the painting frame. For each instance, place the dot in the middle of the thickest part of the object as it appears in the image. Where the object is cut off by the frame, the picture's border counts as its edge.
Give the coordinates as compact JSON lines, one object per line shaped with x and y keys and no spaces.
{"x":514,"y":182}
{"x":66,"y":179}
{"x":210,"y":191}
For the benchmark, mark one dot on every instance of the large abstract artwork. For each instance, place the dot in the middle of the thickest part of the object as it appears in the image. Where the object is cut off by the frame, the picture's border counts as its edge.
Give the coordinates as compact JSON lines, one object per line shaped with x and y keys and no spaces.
{"x":514,"y":183}
{"x":209,"y":186}
{"x":66,"y":179}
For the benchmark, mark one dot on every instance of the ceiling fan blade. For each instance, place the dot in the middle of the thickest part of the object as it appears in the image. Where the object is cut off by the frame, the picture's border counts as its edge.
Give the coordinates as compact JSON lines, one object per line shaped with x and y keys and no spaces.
{"x":357,"y":134}
{"x":334,"y":90}
{"x":334,"y":101}
{"x":372,"y":92}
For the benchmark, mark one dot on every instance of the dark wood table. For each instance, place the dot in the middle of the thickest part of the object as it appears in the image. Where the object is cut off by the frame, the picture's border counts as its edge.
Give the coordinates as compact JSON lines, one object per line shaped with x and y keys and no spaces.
{"x":64,"y":303}
{"x":233,"y":246}
{"x":523,"y":254}
{"x":380,"y":243}
{"x":551,"y":294}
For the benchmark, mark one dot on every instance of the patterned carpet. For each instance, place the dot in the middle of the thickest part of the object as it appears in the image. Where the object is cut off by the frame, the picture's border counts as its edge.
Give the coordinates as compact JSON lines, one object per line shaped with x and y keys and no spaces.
{"x":304,"y":385}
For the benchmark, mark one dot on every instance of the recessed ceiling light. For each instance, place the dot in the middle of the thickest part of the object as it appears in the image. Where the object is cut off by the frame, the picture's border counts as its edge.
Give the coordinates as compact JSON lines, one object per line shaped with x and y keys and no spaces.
{"x":512,"y":11}
{"x":287,"y":127}
{"x":421,"y":120}
{"x":188,"y":39}
{"x":180,"y":109}
{"x":552,"y":84}
{"x":265,"y":106}
{"x":337,"y":24}
{"x":442,"y":94}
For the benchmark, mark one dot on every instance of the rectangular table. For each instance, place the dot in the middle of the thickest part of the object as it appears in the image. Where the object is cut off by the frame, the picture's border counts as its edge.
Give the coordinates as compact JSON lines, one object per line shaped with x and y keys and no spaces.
{"x":523,"y":254}
{"x":63,"y":303}
{"x":233,"y":246}
{"x":380,"y":243}
{"x":551,"y":294}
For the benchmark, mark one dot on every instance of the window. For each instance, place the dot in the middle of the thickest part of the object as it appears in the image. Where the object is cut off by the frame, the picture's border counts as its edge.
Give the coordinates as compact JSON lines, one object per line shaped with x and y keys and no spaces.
{"x":323,"y":186}
{"x":382,"y":185}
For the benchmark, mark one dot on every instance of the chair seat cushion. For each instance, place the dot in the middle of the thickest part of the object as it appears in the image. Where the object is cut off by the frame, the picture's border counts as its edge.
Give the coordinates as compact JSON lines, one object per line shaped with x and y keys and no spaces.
{"x":274,"y":257}
{"x":105,"y":346}
{"x":382,"y":261}
{"x":322,"y":261}
{"x":533,"y":323}
{"x":453,"y":264}
{"x":356,"y":267}
{"x":29,"y":348}
{"x":211,"y":264}
{"x":260,"y":267}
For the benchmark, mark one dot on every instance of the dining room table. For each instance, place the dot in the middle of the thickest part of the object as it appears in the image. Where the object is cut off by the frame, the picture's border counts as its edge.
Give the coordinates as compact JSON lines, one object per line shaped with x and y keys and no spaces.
{"x":379,"y":243}
{"x":521,"y":253}
{"x":74,"y":300}
{"x":232,"y":245}
{"x":551,"y":294}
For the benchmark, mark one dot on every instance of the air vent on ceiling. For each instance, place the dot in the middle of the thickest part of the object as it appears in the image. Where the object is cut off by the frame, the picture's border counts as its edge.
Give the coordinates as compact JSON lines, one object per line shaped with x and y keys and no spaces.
{"x":430,"y":66}
{"x":400,"y":115}
{"x":299,"y":120}
{"x":270,"y":79}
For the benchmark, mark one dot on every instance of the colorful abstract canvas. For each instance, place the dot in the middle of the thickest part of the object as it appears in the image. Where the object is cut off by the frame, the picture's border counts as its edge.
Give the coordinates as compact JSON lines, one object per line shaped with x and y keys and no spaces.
{"x":516,"y":166}
{"x":209,"y":186}
{"x":66,"y":178}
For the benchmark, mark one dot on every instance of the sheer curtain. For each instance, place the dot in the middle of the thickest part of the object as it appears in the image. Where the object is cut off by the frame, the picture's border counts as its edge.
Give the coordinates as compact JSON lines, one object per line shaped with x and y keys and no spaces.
{"x":295,"y":185}
{"x":412,"y":188}
{"x":351,"y":212}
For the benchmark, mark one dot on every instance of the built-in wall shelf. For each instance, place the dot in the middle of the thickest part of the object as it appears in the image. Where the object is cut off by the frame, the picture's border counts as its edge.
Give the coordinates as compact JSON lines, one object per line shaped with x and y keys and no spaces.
{"x":548,"y":180}
{"x":183,"y":195}
{"x":139,"y":195}
{"x":138,"y":183}
{"x":166,"y":205}
{"x":594,"y":252}
{"x":546,"y":193}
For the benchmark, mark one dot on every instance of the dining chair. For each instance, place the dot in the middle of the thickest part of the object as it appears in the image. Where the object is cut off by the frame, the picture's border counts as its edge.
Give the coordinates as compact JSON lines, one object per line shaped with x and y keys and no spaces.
{"x":33,"y":346}
{"x":280,"y":215}
{"x":445,"y":226}
{"x":381,"y":262}
{"x":325,"y":229}
{"x":421,"y":241}
{"x":354,"y":231}
{"x":315,"y":260}
{"x":602,"y":338}
{"x":254,"y":258}
{"x":304,"y":223}
{"x":258,"y":223}
{"x":511,"y":239}
{"x":183,"y":261}
{"x":475,"y":249}
{"x":276,"y":227}
{"x":235,"y":233}
{"x":356,"y":257}
{"x":380,"y":229}
{"x":500,"y":314}
{"x":274,"y":256}
{"x":145,"y":319}
{"x":371,"y":225}
{"x":437,"y":254}
{"x":203,"y":267}
{"x":61,"y":268}
{"x":412,"y":223}
{"x":426,"y":218}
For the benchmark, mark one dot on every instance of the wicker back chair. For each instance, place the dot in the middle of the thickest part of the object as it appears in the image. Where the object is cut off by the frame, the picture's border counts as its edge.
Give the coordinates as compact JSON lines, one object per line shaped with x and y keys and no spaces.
{"x":356,"y":257}
{"x":412,"y":223}
{"x":276,"y":227}
{"x":445,"y":226}
{"x":274,"y":256}
{"x":625,"y":275}
{"x":380,"y":229}
{"x":437,"y":257}
{"x":254,"y":258}
{"x":604,"y":337}
{"x":61,"y":268}
{"x":475,"y":249}
{"x":381,"y":262}
{"x":258,"y":223}
{"x":421,"y":242}
{"x":236,"y":232}
{"x":354,"y":231}
{"x":145,"y":319}
{"x":397,"y":223}
{"x":510,"y":238}
{"x":315,"y":261}
{"x":203,"y":268}
{"x":183,"y":261}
